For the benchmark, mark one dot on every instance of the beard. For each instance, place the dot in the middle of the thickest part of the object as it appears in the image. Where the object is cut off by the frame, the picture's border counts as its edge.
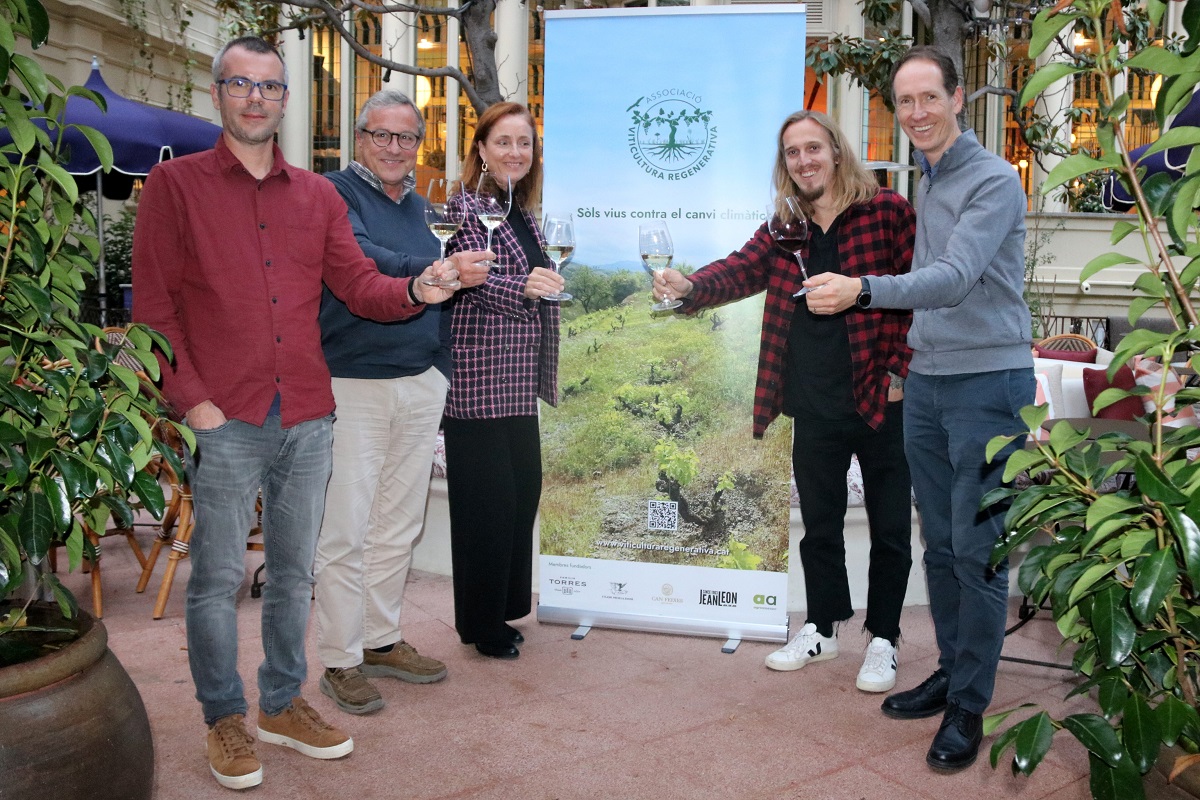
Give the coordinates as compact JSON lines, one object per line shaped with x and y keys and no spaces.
{"x":810,"y":195}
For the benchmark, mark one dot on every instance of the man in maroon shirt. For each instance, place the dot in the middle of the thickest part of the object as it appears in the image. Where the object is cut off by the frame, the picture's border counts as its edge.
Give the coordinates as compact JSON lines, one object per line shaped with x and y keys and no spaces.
{"x":230,"y":252}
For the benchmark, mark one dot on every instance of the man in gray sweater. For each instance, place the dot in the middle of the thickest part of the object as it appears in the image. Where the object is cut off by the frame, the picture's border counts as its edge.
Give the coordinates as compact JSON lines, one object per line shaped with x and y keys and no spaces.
{"x":389,"y":382}
{"x":971,"y":373}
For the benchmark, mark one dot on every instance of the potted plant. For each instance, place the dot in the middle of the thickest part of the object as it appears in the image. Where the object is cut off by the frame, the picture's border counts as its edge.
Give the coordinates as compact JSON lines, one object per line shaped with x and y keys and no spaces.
{"x":1121,"y":570}
{"x":75,"y":436}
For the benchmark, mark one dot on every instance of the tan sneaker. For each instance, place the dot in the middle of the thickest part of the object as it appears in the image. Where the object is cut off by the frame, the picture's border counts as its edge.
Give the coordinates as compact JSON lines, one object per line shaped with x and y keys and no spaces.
{"x":301,"y":728}
{"x":403,"y":662}
{"x":231,"y":755}
{"x":353,"y":693}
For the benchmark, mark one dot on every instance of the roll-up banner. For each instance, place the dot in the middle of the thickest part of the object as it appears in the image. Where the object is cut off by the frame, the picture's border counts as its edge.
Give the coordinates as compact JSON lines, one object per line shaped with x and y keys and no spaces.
{"x":660,"y":512}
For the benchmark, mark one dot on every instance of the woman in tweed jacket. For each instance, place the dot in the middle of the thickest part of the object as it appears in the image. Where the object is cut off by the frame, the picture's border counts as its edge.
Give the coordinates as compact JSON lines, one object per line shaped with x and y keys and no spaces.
{"x":504,"y":346}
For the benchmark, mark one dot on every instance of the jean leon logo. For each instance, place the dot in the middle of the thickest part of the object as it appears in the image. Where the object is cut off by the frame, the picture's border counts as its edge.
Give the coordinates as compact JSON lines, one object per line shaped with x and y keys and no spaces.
{"x":765,"y":600}
{"x":712,"y":597}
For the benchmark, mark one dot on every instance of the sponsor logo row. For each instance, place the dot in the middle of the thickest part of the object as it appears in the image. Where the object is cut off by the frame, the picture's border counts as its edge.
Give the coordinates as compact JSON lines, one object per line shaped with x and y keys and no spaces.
{"x":665,"y":594}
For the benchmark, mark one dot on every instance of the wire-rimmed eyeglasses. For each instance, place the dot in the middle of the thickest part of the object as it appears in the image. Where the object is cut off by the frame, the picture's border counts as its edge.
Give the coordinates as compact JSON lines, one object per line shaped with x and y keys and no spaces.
{"x":242,"y":87}
{"x":383,"y":138}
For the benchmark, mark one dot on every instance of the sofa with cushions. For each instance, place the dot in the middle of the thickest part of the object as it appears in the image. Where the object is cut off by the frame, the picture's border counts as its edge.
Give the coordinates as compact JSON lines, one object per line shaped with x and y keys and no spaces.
{"x":1071,"y":387}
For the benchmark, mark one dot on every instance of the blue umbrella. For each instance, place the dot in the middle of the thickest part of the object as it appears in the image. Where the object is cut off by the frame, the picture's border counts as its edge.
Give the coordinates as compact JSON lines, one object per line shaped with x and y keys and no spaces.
{"x":1113,"y":194}
{"x":141,"y":136}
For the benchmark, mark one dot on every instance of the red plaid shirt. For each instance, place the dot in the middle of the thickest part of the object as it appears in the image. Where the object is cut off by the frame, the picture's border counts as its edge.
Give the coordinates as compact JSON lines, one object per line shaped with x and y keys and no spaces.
{"x":875,"y":238}
{"x":504,"y":346}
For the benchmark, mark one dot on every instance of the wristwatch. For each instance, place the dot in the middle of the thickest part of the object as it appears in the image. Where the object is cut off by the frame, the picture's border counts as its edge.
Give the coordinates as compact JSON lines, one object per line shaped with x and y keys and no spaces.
{"x":864,"y":297}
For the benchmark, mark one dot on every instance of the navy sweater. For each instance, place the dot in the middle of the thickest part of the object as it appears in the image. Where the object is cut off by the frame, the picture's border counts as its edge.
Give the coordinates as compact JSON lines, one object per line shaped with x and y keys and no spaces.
{"x":396,"y":237}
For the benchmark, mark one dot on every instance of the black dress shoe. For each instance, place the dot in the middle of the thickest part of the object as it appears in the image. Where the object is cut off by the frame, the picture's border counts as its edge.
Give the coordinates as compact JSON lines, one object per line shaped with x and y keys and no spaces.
{"x":926,"y":700}
{"x":514,"y":635}
{"x":957,"y":741}
{"x":497,"y":649}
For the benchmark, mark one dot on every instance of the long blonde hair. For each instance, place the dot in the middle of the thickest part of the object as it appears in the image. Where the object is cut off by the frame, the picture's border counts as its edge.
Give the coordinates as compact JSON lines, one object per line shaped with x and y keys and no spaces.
{"x":852,"y":182}
{"x":527,"y":193}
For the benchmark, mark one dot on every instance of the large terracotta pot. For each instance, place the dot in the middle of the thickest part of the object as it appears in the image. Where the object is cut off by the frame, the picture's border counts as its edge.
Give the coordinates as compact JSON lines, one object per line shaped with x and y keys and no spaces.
{"x":74,"y":725}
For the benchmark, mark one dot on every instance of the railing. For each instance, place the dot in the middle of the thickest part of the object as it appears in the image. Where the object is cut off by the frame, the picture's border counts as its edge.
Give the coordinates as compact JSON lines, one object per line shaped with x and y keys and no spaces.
{"x":1095,"y":328}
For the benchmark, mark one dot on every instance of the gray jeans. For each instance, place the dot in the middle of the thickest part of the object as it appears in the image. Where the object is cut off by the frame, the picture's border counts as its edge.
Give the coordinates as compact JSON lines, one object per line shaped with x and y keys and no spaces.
{"x":230,"y":465}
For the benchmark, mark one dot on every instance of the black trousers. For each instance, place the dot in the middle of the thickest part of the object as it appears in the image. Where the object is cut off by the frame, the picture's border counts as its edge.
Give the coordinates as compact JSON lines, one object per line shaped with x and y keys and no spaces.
{"x":820,"y":457}
{"x":494,"y":482}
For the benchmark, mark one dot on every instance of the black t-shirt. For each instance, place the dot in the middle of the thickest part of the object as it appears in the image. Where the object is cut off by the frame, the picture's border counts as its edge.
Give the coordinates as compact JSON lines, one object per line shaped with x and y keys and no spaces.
{"x":817,"y":382}
{"x":526,"y":238}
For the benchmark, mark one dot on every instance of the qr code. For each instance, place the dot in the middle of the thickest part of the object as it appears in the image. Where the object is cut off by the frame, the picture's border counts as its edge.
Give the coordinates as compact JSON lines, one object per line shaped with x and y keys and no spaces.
{"x":663,"y":516}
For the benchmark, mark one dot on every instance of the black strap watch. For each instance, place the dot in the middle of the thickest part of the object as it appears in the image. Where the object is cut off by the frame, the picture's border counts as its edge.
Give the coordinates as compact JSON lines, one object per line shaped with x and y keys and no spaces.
{"x":864,"y":297}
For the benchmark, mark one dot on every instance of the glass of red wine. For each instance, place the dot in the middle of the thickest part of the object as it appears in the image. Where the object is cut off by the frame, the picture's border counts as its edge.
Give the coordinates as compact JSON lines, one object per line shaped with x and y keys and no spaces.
{"x":790,"y":232}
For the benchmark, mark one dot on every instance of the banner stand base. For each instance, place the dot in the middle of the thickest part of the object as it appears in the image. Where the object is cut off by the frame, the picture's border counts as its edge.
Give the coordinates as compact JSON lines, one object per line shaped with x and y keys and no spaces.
{"x":730,"y":647}
{"x":732,"y":632}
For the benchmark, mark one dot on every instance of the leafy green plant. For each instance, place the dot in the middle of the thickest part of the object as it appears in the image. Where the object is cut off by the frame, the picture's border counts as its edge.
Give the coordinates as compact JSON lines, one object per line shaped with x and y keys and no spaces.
{"x":739,"y":557}
{"x":75,"y":426}
{"x":1121,"y":570}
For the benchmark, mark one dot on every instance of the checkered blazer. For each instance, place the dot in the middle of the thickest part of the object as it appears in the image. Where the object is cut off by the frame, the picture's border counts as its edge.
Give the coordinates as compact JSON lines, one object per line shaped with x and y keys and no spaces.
{"x":504,"y":346}
{"x":874,"y":238}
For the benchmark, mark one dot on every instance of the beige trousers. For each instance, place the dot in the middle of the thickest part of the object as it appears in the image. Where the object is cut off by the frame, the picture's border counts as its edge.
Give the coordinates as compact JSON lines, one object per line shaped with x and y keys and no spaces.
{"x":383,"y":440}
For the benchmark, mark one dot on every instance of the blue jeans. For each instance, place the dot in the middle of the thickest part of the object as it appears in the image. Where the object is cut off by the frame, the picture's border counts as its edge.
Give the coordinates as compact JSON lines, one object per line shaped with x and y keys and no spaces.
{"x":229,"y":466}
{"x":948,"y":421}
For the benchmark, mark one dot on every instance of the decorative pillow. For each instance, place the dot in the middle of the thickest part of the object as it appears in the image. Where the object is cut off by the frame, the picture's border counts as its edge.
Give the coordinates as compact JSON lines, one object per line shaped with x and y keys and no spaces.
{"x":439,"y":457}
{"x":1083,"y":357}
{"x":1054,"y":374}
{"x":1043,"y":398}
{"x":1148,"y":372}
{"x":1095,"y":381}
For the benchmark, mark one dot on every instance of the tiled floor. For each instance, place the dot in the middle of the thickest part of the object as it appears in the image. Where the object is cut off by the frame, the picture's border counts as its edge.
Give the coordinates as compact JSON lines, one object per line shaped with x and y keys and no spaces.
{"x":618,"y":715}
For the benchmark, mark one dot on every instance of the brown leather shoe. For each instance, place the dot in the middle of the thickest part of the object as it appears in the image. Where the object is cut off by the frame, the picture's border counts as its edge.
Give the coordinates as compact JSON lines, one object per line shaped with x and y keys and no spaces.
{"x":301,"y":728}
{"x":352,"y":692}
{"x":231,"y":755}
{"x":403,"y":662}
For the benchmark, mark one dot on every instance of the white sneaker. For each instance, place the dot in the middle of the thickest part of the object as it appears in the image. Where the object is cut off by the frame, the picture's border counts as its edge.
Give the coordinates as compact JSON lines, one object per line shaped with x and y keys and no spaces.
{"x":807,"y":646}
{"x":878,"y":673}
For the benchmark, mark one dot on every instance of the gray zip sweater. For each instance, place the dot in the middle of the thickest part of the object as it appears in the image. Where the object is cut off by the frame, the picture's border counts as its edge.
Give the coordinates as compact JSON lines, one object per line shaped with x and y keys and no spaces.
{"x":968,"y":272}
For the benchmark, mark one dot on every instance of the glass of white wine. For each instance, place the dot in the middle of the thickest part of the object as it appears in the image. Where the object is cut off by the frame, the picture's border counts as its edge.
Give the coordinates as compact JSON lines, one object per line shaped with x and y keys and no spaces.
{"x":654,"y":241}
{"x":559,"y":232}
{"x":493,"y":201}
{"x":444,"y":219}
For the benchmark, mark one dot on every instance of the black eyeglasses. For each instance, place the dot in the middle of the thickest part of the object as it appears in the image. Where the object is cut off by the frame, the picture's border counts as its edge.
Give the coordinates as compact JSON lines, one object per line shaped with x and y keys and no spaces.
{"x":242,"y":87}
{"x":383,"y":138}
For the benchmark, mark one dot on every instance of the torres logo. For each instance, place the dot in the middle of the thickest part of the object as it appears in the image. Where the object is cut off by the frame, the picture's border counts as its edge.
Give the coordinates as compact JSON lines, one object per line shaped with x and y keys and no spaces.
{"x":671,"y":136}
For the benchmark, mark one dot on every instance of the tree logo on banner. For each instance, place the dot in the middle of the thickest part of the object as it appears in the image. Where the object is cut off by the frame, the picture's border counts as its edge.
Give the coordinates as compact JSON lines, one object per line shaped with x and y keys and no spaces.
{"x":671,"y":137}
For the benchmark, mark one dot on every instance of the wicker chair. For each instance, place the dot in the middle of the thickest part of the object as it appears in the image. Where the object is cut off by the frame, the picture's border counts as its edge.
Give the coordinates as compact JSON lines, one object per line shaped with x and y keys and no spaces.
{"x":1067,"y":343}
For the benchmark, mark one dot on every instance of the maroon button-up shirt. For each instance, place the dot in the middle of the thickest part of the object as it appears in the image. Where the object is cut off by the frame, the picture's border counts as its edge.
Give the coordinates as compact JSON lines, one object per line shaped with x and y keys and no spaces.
{"x":875,"y":238}
{"x":230,"y":269}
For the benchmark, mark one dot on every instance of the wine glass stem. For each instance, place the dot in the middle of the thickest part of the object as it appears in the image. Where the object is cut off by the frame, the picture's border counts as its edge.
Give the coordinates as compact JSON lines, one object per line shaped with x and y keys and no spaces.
{"x":803,"y":271}
{"x":442,"y":244}
{"x":489,"y":240}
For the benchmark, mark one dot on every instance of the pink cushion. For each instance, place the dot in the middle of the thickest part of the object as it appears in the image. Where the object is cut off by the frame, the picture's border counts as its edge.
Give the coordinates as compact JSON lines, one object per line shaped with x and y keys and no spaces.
{"x":1042,"y":398}
{"x":1081,"y":356}
{"x":1149,"y":373}
{"x":1095,"y":381}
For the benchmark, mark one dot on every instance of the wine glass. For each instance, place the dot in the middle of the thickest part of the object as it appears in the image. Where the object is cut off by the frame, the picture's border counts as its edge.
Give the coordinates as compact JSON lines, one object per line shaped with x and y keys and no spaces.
{"x":444,"y":220}
{"x":493,"y":201}
{"x":559,"y":231}
{"x":791,"y":233}
{"x":654,"y":243}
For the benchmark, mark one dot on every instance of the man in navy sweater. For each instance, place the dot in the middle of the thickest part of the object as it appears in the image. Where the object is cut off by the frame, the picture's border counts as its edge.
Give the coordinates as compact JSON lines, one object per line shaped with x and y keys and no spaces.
{"x":389,"y":382}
